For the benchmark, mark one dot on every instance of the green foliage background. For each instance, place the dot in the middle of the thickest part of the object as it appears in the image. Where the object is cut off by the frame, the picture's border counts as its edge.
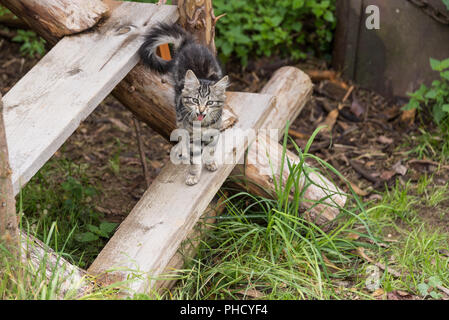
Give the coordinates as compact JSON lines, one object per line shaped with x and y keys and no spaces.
{"x":288,"y":28}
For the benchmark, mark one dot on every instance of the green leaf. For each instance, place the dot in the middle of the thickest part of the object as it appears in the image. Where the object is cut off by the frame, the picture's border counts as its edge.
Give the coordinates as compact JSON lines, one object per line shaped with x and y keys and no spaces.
{"x":446,"y":2}
{"x":87,"y":237}
{"x":438,"y":113}
{"x":445,"y":75}
{"x":423,"y":289}
{"x":108,"y":227}
{"x":92,"y":228}
{"x":446,"y":108}
{"x":435,"y":64}
{"x":432,"y":94}
{"x":435,"y":282}
{"x":435,"y":295}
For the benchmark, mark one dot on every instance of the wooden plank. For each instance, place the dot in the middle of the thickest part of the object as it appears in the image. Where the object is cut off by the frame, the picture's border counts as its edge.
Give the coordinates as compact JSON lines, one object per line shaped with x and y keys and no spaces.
{"x":47,"y":105}
{"x":72,"y":280}
{"x":151,"y":234}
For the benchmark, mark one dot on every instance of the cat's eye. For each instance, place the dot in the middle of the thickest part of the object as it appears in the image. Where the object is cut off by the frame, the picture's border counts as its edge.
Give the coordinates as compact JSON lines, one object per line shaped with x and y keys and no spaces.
{"x":209,"y":103}
{"x":195,"y":100}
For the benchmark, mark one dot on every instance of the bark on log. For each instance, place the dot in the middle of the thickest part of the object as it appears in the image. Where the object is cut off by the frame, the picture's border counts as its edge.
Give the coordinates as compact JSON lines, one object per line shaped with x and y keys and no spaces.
{"x":8,"y":218}
{"x":53,"y":19}
{"x":197,"y":17}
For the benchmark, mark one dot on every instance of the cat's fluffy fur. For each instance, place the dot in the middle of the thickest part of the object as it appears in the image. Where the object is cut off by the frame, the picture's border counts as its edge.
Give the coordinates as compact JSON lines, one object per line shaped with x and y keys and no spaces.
{"x":198,"y":80}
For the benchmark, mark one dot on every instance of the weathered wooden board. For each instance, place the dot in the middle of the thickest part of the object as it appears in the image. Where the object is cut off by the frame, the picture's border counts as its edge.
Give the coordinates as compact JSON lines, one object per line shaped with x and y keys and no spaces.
{"x":72,"y":280}
{"x":47,"y":105}
{"x":149,"y":237}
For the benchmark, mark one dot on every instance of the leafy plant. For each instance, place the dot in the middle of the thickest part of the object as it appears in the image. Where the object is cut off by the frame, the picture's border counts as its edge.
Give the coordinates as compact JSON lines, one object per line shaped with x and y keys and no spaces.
{"x":32,"y":44}
{"x":437,"y":95}
{"x":268,"y":27}
{"x":446,"y":2}
{"x":428,"y":289}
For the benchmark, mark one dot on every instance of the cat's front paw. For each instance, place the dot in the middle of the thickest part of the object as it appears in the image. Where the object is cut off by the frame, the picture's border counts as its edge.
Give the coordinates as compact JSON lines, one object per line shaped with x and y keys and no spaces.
{"x":192,"y":179}
{"x":212,"y":166}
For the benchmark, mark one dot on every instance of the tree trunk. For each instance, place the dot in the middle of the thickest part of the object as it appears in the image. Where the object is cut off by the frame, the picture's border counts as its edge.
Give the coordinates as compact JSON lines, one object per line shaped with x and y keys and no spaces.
{"x":8,"y":218}
{"x":197,"y":17}
{"x":53,"y":19}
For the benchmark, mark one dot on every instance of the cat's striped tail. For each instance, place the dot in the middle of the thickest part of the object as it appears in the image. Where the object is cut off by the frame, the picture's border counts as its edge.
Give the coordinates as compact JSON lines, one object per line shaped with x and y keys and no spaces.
{"x":161,"y":34}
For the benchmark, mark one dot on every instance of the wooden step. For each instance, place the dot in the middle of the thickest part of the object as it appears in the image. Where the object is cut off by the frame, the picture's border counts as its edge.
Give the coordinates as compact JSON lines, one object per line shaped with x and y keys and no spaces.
{"x":47,"y":105}
{"x":149,"y":237}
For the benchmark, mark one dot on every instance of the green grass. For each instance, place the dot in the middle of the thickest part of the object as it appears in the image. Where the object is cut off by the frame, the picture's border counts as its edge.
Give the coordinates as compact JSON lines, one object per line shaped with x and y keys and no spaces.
{"x":60,"y":198}
{"x":259,"y":248}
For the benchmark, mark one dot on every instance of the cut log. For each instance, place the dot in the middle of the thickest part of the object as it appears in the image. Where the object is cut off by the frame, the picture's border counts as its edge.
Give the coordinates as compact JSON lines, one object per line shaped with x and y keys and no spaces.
{"x":292,"y":89}
{"x":151,"y":234}
{"x":73,"y":281}
{"x":9,"y":231}
{"x":46,"y":106}
{"x":54,"y":19}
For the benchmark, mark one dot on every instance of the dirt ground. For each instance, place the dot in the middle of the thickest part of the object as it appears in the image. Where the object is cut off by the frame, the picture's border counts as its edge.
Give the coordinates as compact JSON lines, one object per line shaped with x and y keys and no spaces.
{"x":368,"y":142}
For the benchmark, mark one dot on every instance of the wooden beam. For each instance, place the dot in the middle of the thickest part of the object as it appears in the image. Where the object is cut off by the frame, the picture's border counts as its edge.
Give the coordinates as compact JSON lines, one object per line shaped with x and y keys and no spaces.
{"x":72,"y":280}
{"x":46,"y":106}
{"x":54,"y":19}
{"x":151,"y":234}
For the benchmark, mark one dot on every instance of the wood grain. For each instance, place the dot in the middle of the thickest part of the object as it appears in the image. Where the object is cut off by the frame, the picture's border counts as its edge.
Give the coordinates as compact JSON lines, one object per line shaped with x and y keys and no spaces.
{"x":47,"y":105}
{"x":54,"y":19}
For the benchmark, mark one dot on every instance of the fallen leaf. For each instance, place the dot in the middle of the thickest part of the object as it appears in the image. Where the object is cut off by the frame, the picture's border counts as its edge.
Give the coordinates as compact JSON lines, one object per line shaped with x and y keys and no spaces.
{"x":387,"y":175}
{"x":408,"y":116}
{"x":385,"y":140}
{"x":400,"y":168}
{"x":356,"y":108}
{"x":353,"y":236}
{"x":375,"y":197}
{"x":359,"y":191}
{"x":403,"y":293}
{"x":253,"y":293}
{"x":378,"y":293}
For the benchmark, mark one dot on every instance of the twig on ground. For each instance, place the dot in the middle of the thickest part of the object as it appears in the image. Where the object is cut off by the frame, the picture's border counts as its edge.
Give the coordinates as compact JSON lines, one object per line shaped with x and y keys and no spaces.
{"x":140,"y":145}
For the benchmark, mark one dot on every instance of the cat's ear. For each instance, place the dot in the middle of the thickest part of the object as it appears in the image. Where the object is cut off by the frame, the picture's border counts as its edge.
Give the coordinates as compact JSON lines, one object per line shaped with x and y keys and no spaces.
{"x":222,"y":84}
{"x":191,"y":78}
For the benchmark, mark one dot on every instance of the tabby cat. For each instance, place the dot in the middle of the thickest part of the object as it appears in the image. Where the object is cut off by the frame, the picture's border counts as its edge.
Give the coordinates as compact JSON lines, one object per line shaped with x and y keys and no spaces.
{"x":199,"y":90}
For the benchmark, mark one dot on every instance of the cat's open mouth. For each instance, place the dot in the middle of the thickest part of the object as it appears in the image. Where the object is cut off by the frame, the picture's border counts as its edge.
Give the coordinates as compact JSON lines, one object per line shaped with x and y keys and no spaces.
{"x":200,"y":117}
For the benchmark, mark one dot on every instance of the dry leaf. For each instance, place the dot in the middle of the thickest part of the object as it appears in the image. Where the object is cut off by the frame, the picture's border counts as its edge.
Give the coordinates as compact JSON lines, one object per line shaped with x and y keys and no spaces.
{"x":359,"y":191}
{"x":378,"y":293}
{"x":387,"y":175}
{"x":408,"y":116}
{"x":385,"y":140}
{"x":400,"y":169}
{"x":253,"y":293}
{"x":356,"y":108}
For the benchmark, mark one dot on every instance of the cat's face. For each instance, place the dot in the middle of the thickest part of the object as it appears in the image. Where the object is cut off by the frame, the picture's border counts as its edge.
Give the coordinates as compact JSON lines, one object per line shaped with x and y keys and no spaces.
{"x":204,"y":100}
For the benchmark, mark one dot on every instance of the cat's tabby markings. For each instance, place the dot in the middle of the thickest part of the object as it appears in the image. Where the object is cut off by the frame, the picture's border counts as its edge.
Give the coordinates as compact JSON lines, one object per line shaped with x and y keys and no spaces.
{"x":199,"y":90}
